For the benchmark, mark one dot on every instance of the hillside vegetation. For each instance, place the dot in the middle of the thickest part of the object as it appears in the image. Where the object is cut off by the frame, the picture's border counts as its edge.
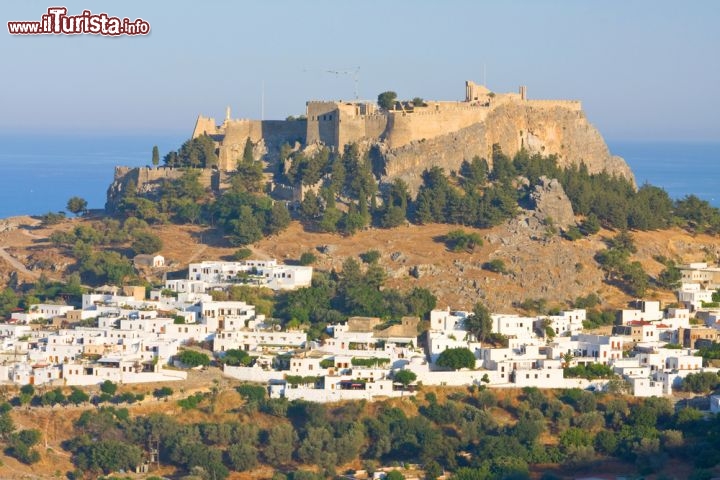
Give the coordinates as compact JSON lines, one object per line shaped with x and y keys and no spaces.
{"x":474,"y":433}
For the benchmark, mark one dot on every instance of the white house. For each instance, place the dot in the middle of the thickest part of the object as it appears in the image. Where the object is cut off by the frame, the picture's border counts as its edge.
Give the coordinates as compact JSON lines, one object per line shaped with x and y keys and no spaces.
{"x":43,"y":311}
{"x":265,"y":273}
{"x":568,"y":322}
{"x":513,"y":326}
{"x":266,"y":339}
{"x":692,"y":295}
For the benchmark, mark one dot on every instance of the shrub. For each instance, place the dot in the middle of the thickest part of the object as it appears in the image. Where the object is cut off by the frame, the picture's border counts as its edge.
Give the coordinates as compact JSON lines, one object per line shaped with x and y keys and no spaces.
{"x":191,"y":402}
{"x":589,"y":301}
{"x":146,"y":243}
{"x":459,"y":240}
{"x":371,"y":256}
{"x":701,"y":382}
{"x":235,"y":357}
{"x":242,"y":254}
{"x":108,"y":387}
{"x":307,"y":258}
{"x":496,"y":265}
{"x":20,"y":446}
{"x":456,"y":358}
{"x":572,"y":233}
{"x":162,"y":392}
{"x":192,"y":358}
{"x":252,"y":393}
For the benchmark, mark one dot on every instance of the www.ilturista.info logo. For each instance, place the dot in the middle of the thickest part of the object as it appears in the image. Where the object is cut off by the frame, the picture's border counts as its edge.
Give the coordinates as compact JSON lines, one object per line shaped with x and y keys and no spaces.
{"x":58,"y":22}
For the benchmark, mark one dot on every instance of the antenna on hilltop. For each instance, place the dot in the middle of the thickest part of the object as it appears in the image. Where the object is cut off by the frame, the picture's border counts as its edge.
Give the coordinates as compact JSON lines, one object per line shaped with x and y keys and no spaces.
{"x":262,"y":101}
{"x":356,"y":77}
{"x":484,"y":79}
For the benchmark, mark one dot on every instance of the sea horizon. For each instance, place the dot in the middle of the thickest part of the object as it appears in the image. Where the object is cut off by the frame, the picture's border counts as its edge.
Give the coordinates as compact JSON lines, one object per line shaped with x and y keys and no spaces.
{"x":39,"y":177}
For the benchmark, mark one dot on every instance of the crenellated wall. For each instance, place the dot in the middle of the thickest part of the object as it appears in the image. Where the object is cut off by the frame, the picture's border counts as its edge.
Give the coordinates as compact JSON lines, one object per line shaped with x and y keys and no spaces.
{"x":437,"y":133}
{"x":205,"y":126}
{"x":438,"y":118}
{"x":338,"y":123}
{"x":146,"y":180}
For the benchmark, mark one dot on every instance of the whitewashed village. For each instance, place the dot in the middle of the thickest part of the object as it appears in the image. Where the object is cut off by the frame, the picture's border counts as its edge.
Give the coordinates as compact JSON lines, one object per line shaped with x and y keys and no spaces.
{"x":137,"y":339}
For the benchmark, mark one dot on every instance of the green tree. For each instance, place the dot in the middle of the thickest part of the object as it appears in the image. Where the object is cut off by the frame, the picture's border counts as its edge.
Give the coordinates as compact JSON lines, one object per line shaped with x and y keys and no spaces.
{"x":278,"y":218}
{"x":479,"y":324}
{"x":330,"y":220}
{"x":162,"y":392}
{"x":456,"y":358}
{"x":623,"y":242}
{"x":405,"y":377}
{"x":245,"y":229}
{"x":248,"y":176}
{"x":311,"y":207}
{"x":146,"y":243}
{"x":20,"y":445}
{"x":77,"y":396}
{"x":235,"y":357}
{"x":307,"y":258}
{"x":636,"y":279}
{"x":108,"y":387}
{"x":242,"y":254}
{"x":77,"y":205}
{"x":394,"y":475}
{"x":197,"y":152}
{"x":109,"y":456}
{"x":192,"y":358}
{"x":670,"y":277}
{"x":7,"y":426}
{"x":318,"y":447}
{"x":387,"y":99}
{"x":242,"y":456}
{"x":280,"y":445}
{"x":701,"y":382}
{"x":27,"y":389}
{"x":475,"y":173}
{"x":248,"y":155}
{"x":155,"y":156}
{"x":591,"y":225}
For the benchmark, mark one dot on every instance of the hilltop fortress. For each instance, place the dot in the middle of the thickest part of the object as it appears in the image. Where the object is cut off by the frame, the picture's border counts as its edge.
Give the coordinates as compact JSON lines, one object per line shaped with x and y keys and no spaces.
{"x":407,"y":139}
{"x":412,"y":138}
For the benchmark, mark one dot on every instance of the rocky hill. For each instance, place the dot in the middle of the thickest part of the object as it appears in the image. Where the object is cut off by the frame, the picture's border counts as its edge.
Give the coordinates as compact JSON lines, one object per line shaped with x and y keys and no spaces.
{"x":538,"y":262}
{"x":560,"y":130}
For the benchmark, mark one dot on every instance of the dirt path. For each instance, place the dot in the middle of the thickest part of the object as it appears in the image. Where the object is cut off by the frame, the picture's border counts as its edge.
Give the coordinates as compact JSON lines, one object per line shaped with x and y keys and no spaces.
{"x":197,"y":253}
{"x":16,"y":264}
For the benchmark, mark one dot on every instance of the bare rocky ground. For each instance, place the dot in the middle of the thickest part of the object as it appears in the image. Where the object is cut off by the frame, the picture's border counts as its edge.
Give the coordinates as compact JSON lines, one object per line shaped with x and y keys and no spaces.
{"x":539,"y":263}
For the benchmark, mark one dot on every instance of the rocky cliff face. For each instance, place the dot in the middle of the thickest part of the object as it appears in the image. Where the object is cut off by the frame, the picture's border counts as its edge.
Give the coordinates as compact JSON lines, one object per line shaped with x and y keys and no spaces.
{"x":538,"y":128}
{"x":550,"y":202}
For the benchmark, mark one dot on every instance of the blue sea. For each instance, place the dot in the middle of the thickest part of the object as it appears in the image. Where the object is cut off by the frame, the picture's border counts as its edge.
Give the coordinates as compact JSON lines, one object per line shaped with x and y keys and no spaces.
{"x":39,"y":173}
{"x":681,"y":168}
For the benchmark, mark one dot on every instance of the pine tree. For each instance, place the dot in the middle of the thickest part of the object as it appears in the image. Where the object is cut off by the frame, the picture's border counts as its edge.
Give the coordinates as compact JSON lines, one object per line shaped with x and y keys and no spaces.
{"x":155,"y":156}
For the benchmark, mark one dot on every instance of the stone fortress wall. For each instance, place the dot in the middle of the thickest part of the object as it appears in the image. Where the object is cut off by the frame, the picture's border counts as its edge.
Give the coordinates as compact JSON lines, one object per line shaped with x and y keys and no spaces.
{"x":147,"y":179}
{"x":412,"y":138}
{"x":338,"y":123}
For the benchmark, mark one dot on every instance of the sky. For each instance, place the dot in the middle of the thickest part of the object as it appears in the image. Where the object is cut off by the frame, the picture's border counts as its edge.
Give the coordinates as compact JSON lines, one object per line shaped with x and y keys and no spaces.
{"x":644,"y":70}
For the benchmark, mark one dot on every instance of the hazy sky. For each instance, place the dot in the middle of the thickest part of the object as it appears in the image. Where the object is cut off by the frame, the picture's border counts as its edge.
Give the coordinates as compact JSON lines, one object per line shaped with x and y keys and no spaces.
{"x":643,"y":69}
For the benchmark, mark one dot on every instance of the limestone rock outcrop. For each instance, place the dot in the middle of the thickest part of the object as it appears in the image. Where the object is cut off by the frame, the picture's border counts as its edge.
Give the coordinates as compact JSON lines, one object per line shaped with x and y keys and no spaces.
{"x":550,"y":202}
{"x":559,"y":130}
